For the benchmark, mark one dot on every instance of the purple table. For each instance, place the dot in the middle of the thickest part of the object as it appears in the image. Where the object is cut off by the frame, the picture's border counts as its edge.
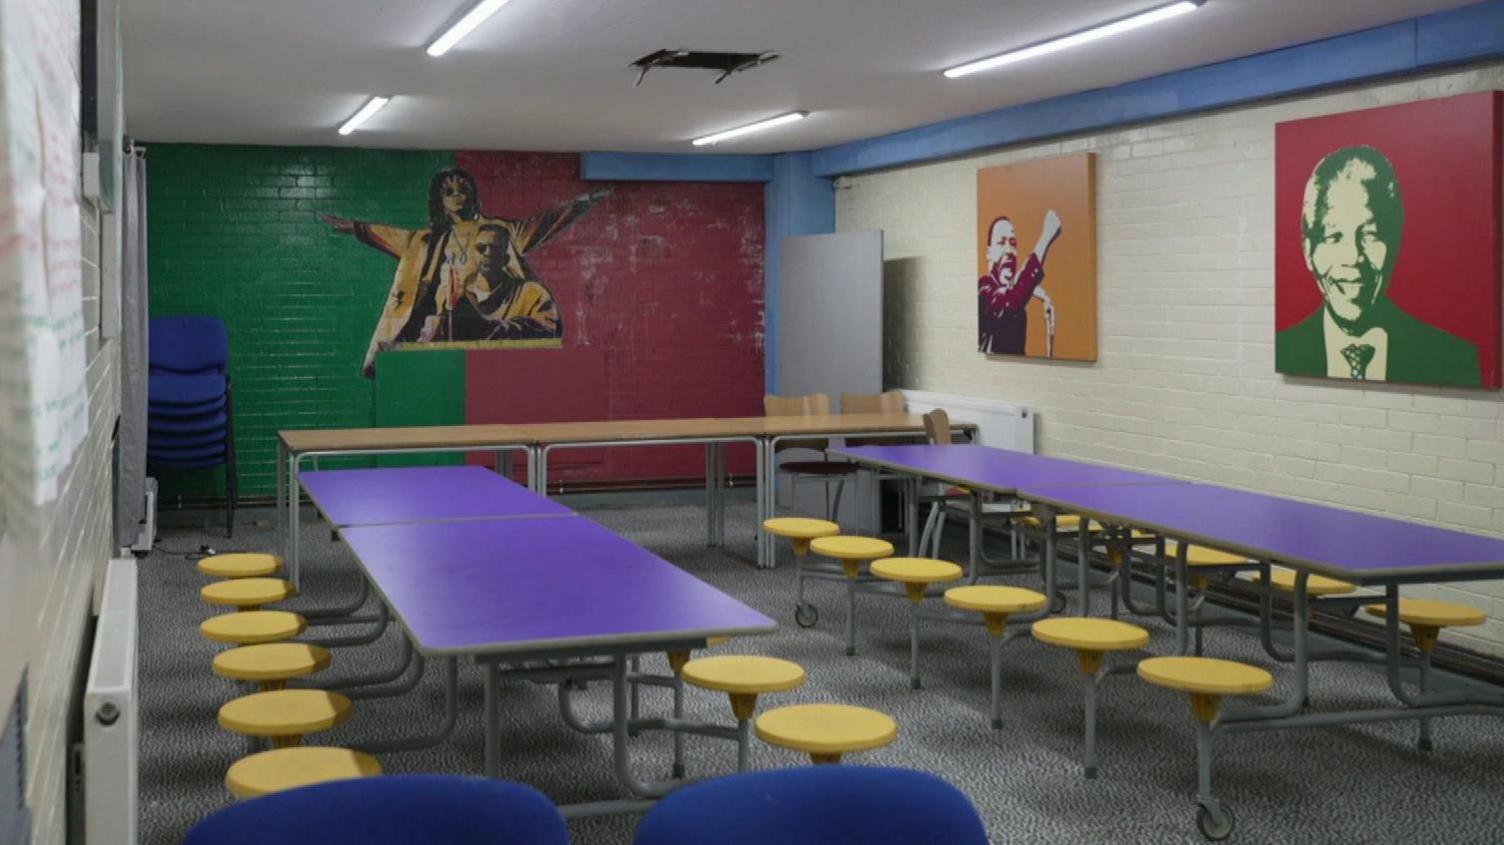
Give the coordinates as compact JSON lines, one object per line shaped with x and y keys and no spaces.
{"x":1356,"y":547}
{"x":421,"y":494}
{"x":539,"y":586}
{"x":519,"y":591}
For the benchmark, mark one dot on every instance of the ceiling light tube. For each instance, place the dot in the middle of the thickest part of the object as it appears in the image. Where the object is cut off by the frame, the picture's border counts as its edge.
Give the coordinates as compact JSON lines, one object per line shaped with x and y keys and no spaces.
{"x":372,"y":106}
{"x":750,"y":128}
{"x":464,"y":26}
{"x":1085,"y":36}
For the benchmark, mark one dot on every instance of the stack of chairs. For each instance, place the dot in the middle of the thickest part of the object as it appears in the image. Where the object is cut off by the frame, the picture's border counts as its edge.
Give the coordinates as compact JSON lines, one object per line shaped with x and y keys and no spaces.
{"x":189,"y":423}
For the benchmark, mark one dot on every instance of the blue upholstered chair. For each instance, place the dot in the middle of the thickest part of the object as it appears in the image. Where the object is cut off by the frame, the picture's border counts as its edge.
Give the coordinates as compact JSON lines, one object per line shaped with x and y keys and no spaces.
{"x":815,"y":805}
{"x":189,"y":420}
{"x":390,"y":810}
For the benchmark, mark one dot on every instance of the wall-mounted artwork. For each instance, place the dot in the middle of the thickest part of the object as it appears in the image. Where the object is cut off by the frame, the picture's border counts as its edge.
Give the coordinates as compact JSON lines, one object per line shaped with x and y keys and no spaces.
{"x":1387,"y":245}
{"x":1037,"y":259}
{"x":463,"y":281}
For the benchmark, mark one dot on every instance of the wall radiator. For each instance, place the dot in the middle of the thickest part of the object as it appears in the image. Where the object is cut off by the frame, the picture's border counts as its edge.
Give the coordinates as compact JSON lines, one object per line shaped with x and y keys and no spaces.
{"x":111,"y":714}
{"x":1000,"y":424}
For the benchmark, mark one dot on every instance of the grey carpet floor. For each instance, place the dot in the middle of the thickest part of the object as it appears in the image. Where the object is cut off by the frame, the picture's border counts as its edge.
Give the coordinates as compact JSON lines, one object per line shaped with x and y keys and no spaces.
{"x":1344,"y":784}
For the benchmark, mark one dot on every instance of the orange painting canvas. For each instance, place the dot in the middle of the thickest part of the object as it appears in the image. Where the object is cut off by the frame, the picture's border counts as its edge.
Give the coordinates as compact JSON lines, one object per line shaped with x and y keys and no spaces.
{"x":1037,"y":258}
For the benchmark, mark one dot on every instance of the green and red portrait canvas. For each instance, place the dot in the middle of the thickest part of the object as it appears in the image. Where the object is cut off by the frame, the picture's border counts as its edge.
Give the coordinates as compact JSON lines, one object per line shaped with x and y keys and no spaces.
{"x":1387,"y":243}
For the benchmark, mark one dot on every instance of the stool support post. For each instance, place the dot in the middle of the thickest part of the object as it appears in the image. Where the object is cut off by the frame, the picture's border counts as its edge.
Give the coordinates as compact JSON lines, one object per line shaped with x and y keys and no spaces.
{"x":914,"y":645}
{"x":997,"y":682}
{"x":743,"y":743}
{"x":1424,"y":743}
{"x":1089,"y":762}
{"x":678,"y":769}
{"x":850,"y":613}
{"x":1203,"y":762}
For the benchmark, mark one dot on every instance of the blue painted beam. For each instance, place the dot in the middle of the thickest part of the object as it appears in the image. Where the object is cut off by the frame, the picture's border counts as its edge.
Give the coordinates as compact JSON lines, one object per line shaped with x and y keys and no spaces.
{"x":673,"y":167}
{"x":1467,"y":34}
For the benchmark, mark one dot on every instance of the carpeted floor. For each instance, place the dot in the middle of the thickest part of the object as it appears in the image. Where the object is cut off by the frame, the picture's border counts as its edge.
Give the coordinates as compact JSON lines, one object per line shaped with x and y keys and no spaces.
{"x":1349,"y":784}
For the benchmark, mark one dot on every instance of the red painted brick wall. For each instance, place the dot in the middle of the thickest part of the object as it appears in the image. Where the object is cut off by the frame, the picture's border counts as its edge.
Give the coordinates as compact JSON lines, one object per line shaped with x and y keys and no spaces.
{"x":666,"y":279}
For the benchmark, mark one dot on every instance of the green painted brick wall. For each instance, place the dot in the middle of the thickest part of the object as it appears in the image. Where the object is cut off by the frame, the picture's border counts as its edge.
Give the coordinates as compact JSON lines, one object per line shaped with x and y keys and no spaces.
{"x":233,"y":233}
{"x":420,"y":387}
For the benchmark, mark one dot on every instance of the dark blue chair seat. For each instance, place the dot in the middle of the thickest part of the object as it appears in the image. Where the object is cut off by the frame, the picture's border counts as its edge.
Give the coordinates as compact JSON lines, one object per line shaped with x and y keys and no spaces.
{"x":215,"y":421}
{"x":390,"y":810}
{"x":157,"y":440}
{"x":185,"y":453}
{"x":181,"y":389}
{"x":186,"y":410}
{"x":206,"y":463}
{"x":815,"y":805}
{"x":188,"y":344}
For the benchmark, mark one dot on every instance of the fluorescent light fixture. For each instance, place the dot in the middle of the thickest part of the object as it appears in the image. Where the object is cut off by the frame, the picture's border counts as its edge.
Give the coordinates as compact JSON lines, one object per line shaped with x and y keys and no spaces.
{"x":372,"y":106}
{"x":750,"y":128}
{"x":472,"y":19}
{"x":1085,"y":36}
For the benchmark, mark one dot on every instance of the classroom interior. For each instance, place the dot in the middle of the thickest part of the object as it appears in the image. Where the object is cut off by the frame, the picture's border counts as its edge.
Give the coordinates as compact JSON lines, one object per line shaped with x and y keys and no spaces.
{"x":669,"y":422}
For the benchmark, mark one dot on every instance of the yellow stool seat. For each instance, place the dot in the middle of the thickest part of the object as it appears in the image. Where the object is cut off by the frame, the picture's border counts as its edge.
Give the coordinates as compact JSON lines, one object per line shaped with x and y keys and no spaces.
{"x":240,"y":565}
{"x":1203,"y":556}
{"x":800,"y":528}
{"x":253,"y":626}
{"x":289,"y":768}
{"x":247,"y":592}
{"x":741,"y":673}
{"x":852,"y":548}
{"x":284,"y":713}
{"x":1088,"y":634}
{"x":1316,"y":585}
{"x":916,"y":570}
{"x":1434,"y":614}
{"x":1205,"y":675}
{"x":826,"y":731}
{"x":988,"y":598}
{"x":271,"y":662}
{"x":1063,"y":522}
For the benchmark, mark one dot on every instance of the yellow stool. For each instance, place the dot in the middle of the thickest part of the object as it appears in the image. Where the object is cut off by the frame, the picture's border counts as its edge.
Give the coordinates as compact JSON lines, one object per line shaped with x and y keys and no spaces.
{"x":247,"y":593}
{"x":916,"y":574}
{"x":1206,"y":681}
{"x":253,"y":626}
{"x":1426,"y":618}
{"x":1090,"y":639}
{"x":800,"y":532}
{"x":1063,"y":523}
{"x":284,"y":716}
{"x":826,"y":731}
{"x":271,"y":665}
{"x":1316,"y":585}
{"x":240,"y":565}
{"x":852,"y":552}
{"x":290,"y":768}
{"x":743,"y":678}
{"x":996,"y":604}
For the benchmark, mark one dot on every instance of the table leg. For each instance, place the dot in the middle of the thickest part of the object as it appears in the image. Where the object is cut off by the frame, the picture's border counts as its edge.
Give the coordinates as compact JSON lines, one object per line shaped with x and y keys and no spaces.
{"x":710,"y":494}
{"x":973,"y":536}
{"x":912,"y":485}
{"x":493,"y":721}
{"x":294,"y":567}
{"x":1083,"y":562}
{"x":1182,"y":601}
{"x":281,"y":541}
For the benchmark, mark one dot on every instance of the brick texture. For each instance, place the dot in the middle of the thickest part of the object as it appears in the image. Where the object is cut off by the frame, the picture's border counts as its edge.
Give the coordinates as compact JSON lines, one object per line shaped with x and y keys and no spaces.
{"x":1185,"y":383}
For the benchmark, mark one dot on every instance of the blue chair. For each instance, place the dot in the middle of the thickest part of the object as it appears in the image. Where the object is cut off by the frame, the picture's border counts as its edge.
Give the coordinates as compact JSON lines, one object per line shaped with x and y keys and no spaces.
{"x":390,"y":810}
{"x":189,"y":421}
{"x":815,"y":805}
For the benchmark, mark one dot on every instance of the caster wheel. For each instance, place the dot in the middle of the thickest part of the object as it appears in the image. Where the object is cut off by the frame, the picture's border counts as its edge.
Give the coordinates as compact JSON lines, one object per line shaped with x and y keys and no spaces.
{"x":1057,"y":605}
{"x":806,"y":615}
{"x":1215,"y":820}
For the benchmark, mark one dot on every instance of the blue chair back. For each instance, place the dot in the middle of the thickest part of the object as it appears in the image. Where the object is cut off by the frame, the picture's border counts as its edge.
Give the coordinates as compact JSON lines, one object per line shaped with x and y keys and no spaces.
{"x":816,"y":805}
{"x":188,"y":344}
{"x":390,"y":810}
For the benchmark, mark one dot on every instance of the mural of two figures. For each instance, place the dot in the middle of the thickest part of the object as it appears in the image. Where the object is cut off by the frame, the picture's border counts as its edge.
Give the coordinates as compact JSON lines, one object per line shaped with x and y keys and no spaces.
{"x":464,"y":280}
{"x":1037,"y":290}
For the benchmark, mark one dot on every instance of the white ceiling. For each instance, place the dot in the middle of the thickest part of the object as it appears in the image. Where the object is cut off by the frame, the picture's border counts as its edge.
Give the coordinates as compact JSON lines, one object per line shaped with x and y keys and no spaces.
{"x":553,"y":75}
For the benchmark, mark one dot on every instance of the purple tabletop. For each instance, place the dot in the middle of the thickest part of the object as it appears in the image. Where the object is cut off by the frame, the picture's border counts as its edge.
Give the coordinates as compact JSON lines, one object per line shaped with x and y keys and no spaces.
{"x":985,"y":468}
{"x":1357,"y":547}
{"x":539,"y":586}
{"x":421,"y":494}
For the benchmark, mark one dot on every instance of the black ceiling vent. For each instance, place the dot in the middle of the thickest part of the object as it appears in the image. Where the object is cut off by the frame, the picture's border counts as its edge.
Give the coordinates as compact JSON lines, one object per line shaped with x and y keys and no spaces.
{"x":725,"y":63}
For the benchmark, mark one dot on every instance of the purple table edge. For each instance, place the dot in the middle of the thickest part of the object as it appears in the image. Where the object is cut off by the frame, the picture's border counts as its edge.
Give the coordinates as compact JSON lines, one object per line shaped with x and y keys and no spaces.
{"x":921,"y":460}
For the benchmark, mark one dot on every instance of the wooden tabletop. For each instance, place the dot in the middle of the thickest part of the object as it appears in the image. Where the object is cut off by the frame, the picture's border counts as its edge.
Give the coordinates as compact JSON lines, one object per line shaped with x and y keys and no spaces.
{"x":350,"y":439}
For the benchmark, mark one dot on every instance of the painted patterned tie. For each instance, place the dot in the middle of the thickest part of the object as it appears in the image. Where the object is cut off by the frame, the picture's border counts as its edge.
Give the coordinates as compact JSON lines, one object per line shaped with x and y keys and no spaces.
{"x":1358,"y":356}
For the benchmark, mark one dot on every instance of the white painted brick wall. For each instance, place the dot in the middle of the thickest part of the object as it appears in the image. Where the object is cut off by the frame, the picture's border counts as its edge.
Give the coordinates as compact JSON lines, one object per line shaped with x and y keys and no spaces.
{"x":1185,"y":383}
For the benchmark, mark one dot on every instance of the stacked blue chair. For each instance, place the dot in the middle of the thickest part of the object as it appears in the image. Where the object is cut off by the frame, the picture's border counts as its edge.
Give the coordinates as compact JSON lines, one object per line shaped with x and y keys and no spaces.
{"x":815,"y":805}
{"x":390,"y":810}
{"x":189,"y":420}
